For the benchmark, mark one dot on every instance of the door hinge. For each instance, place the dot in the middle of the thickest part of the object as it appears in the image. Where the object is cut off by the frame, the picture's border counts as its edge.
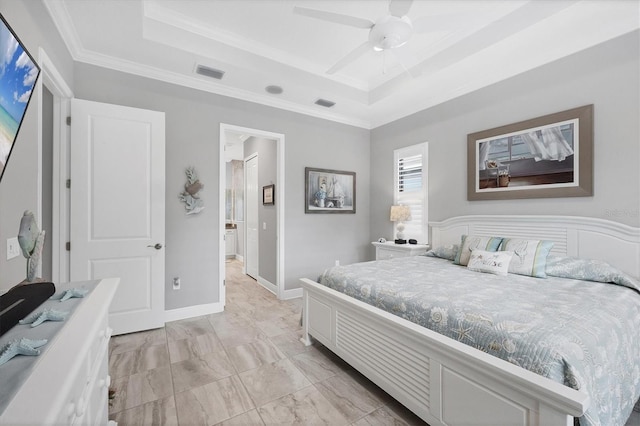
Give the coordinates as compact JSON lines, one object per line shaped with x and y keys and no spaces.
{"x":68,"y":183}
{"x":68,"y":246}
{"x":69,"y":121}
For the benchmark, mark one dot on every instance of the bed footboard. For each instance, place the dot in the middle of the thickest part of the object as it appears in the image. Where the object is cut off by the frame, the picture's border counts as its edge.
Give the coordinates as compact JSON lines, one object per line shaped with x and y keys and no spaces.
{"x":441,"y":380}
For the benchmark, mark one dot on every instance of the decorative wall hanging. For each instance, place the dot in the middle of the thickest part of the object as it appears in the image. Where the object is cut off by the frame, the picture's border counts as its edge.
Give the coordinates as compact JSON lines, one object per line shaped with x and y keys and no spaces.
{"x":329,"y":191}
{"x":545,"y":157}
{"x":193,"y":204}
{"x":268,"y":198}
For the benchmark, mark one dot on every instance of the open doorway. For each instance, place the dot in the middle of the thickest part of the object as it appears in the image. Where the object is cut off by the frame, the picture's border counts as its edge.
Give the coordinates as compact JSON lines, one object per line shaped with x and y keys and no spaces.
{"x":53,"y":200}
{"x":259,"y":240}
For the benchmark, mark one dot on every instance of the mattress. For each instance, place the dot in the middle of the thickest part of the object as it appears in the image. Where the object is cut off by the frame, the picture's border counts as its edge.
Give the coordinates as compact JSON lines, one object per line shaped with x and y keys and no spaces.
{"x":579,"y":333}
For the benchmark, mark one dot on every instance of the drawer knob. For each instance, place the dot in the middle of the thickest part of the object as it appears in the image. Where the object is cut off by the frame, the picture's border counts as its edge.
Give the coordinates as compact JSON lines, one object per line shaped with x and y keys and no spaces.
{"x":105,"y":383}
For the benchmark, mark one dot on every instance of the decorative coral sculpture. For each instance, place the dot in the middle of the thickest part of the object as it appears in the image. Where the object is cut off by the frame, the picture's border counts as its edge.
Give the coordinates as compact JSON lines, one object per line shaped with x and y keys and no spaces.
{"x":190,"y":197}
{"x":20,"y":347}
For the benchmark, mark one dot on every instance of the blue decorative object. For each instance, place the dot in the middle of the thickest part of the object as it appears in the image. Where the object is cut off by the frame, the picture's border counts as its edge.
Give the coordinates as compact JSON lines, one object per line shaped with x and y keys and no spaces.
{"x":37,"y":318}
{"x":72,"y":292}
{"x":20,"y":347}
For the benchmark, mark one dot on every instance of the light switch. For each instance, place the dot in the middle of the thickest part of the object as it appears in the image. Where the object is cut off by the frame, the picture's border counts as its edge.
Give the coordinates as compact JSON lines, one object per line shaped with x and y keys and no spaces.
{"x":13,"y":248}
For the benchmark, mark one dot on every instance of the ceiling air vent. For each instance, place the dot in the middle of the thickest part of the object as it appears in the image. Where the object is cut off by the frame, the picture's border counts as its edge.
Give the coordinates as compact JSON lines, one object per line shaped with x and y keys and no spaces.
{"x":209,"y":72}
{"x":325,"y":103}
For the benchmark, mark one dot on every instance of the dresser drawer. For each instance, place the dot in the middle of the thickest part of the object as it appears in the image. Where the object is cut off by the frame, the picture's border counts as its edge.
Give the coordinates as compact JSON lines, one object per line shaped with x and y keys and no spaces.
{"x":382,"y":254}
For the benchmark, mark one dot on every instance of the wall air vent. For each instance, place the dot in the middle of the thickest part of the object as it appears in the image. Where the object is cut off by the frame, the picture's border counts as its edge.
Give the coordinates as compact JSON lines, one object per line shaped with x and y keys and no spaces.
{"x":325,"y":103}
{"x":209,"y":72}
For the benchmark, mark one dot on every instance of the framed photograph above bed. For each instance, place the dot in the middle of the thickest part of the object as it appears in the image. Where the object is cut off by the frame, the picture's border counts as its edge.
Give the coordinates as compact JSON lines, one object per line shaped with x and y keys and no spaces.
{"x":544,"y":157}
{"x":329,"y":191}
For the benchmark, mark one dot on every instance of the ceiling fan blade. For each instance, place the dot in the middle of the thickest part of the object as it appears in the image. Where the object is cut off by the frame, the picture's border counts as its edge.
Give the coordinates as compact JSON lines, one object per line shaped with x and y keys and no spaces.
{"x":338,"y":18}
{"x":350,"y":57}
{"x":399,"y":8}
{"x":402,"y":59}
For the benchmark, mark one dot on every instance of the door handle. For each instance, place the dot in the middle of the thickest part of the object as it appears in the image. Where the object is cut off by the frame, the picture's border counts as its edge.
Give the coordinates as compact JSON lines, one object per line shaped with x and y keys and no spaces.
{"x":156,"y":246}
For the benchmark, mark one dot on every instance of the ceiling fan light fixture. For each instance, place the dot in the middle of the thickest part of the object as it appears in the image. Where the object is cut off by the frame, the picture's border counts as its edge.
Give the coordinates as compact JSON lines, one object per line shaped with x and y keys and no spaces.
{"x":390,"y":32}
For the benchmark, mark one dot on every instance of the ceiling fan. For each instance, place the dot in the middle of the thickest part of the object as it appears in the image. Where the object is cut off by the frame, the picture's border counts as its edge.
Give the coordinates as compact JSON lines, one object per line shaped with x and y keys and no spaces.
{"x":386,"y":34}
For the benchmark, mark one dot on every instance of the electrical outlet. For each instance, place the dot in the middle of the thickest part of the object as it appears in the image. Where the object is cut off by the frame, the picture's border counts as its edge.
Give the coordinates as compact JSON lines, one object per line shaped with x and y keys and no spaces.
{"x":13,"y":248}
{"x":176,"y":283}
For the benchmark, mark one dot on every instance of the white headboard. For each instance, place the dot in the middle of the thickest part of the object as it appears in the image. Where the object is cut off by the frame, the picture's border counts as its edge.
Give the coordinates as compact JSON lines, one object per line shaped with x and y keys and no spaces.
{"x":612,"y":242}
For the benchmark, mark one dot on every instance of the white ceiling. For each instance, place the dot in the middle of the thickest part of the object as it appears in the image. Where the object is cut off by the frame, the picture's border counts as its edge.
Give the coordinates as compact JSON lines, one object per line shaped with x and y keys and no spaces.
{"x":257,"y":43}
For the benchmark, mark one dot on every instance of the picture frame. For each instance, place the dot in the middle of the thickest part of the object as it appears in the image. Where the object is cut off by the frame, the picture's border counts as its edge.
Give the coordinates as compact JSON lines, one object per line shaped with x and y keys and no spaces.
{"x":268,"y":195}
{"x":329,"y":191}
{"x":544,"y":157}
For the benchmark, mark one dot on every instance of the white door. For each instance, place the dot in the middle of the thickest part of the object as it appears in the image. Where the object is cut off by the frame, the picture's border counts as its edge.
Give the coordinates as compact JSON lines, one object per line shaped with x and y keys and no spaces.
{"x":117,"y":208}
{"x":251,"y":216}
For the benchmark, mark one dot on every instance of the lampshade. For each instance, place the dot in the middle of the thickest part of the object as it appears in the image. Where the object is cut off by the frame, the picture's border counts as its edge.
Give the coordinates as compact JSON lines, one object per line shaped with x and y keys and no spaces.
{"x":400,"y":213}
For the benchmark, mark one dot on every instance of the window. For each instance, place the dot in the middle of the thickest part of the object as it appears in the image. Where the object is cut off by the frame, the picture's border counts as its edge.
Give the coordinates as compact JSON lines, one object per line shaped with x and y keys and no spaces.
{"x":411,"y":187}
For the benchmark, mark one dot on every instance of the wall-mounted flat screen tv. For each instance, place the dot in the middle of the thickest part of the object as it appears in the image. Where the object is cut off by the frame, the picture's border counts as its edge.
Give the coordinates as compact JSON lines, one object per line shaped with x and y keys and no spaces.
{"x":18,"y":75}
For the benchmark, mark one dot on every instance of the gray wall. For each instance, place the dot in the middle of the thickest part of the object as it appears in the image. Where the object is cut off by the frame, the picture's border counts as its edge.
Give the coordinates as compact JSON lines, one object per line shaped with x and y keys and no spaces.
{"x":19,"y":186}
{"x":193,"y":118}
{"x":267,"y":215}
{"x":606,"y":76}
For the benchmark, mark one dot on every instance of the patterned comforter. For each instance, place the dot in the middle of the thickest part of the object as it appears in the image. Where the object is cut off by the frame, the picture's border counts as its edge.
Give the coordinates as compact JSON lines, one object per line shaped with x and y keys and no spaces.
{"x":583,"y":334}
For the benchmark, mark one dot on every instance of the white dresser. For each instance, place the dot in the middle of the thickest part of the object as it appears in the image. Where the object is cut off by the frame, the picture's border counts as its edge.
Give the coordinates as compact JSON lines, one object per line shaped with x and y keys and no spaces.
{"x":68,"y":383}
{"x":389,"y":250}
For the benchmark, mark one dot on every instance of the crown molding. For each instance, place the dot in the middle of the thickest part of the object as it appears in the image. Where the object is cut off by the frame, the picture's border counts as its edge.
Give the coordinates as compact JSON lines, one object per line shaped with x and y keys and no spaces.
{"x":154,"y":73}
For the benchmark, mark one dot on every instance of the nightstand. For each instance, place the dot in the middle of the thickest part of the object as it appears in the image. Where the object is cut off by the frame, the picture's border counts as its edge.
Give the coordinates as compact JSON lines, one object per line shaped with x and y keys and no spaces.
{"x":389,"y":250}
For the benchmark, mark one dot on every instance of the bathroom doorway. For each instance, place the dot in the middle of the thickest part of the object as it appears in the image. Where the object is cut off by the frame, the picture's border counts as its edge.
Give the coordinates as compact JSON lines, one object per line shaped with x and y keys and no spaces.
{"x":239,"y":144}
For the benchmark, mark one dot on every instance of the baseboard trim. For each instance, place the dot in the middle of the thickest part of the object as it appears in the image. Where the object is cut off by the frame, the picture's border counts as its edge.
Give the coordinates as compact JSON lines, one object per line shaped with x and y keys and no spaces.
{"x":294,"y":293}
{"x":239,"y":257}
{"x":268,"y":285}
{"x":192,"y":311}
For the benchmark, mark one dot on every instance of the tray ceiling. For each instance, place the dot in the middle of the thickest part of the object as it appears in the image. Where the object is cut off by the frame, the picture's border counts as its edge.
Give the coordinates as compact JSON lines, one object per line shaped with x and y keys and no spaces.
{"x":260,"y":43}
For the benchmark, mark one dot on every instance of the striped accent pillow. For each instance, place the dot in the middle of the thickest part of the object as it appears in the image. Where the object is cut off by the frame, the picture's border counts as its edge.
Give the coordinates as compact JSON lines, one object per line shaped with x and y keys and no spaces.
{"x":529,"y":256}
{"x":470,"y":242}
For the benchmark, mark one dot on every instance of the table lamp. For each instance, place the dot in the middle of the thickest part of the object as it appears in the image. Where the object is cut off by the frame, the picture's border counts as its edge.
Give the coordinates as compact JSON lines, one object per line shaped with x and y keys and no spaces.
{"x":400,"y":214}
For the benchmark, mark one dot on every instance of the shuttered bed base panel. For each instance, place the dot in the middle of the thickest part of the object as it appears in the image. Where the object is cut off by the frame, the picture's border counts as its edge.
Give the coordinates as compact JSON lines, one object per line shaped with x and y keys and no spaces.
{"x":441,"y":380}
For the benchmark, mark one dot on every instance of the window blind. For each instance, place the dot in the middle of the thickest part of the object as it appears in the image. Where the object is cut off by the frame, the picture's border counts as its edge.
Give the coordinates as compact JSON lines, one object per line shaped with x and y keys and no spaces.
{"x":410,"y":189}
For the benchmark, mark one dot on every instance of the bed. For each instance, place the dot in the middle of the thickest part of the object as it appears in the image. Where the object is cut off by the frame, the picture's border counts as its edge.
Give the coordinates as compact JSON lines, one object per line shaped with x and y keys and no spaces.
{"x":454,"y":380}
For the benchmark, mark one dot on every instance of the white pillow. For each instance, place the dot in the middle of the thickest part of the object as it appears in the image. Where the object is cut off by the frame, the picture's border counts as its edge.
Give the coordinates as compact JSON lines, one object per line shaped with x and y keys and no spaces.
{"x":492,"y":262}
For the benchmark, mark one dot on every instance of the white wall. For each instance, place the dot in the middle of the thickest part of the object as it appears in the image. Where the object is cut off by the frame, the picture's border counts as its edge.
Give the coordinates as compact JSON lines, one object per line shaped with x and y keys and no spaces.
{"x":606,"y":76}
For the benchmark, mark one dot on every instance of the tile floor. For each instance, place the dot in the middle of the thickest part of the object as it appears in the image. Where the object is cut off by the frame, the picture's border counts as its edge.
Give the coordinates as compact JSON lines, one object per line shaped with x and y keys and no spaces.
{"x":245,"y":366}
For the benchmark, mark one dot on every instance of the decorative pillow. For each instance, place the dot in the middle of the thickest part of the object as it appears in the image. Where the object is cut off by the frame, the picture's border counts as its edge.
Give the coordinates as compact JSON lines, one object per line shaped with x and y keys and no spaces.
{"x":493,"y":262}
{"x":529,"y":256}
{"x":470,"y":242}
{"x":445,"y":252}
{"x":589,"y":270}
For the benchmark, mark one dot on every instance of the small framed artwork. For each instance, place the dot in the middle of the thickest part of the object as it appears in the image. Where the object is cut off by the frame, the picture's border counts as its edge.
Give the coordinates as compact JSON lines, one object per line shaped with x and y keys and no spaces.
{"x":544,"y":157}
{"x":268,"y":197}
{"x":329,"y":191}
